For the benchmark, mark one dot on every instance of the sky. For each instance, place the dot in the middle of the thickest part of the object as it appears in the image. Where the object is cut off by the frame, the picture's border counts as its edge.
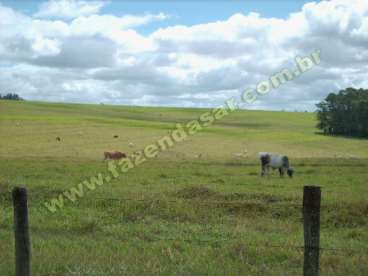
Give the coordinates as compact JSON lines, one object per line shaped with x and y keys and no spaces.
{"x":180,"y":53}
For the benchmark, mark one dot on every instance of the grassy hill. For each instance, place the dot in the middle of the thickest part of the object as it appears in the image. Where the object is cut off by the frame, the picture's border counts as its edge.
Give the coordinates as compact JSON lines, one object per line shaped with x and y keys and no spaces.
{"x":197,"y":208}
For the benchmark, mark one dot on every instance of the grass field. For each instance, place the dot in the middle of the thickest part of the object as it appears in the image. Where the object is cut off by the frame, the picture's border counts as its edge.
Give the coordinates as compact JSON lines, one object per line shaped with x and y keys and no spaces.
{"x":178,"y":213}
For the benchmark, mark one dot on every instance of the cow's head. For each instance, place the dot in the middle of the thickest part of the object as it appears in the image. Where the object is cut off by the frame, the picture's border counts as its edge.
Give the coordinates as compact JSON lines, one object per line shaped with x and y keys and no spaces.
{"x":290,"y":172}
{"x":107,"y":155}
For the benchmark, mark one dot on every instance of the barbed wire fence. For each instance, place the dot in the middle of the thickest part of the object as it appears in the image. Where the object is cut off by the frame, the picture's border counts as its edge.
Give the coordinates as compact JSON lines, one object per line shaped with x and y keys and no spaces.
{"x":310,"y":210}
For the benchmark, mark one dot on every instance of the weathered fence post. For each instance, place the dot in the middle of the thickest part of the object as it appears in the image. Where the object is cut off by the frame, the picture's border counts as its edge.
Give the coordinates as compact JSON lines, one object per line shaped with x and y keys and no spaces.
{"x":311,"y":216}
{"x":21,"y":230}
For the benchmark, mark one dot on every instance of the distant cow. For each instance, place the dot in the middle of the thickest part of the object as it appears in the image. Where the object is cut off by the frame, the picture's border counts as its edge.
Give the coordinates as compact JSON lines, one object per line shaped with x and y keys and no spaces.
{"x":116,"y":136}
{"x":58,"y":139}
{"x":275,"y":161}
{"x":115,"y":155}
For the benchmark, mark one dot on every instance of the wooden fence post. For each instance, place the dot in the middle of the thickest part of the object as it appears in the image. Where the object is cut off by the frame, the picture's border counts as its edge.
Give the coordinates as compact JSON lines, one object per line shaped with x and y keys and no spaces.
{"x":311,"y":216}
{"x":21,"y":230}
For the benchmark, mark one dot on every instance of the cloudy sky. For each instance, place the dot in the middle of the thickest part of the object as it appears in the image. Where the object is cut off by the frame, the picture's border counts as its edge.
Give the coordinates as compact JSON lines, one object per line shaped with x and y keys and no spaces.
{"x":179,"y":53}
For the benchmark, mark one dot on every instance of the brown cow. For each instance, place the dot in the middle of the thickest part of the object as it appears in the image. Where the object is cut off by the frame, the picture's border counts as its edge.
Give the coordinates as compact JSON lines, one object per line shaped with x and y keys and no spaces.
{"x":114,"y":155}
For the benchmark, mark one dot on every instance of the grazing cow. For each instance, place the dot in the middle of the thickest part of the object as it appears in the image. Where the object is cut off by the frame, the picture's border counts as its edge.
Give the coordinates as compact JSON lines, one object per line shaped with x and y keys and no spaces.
{"x":115,"y":155}
{"x":275,"y":161}
{"x":116,"y":136}
{"x":58,"y":139}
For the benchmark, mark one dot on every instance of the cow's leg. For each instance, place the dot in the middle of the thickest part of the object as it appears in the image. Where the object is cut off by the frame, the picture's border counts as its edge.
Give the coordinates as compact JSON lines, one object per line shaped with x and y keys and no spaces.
{"x":265,"y":160}
{"x":268,"y":170}
{"x":282,"y":172}
{"x":263,"y":170}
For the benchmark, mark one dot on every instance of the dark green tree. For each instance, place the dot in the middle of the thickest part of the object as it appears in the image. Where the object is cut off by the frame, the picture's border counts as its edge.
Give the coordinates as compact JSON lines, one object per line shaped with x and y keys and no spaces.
{"x":345,"y":113}
{"x":10,"y":96}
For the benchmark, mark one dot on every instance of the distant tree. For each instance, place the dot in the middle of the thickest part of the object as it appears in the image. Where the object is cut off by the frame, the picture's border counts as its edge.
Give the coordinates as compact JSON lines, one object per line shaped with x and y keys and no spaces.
{"x":345,"y":113}
{"x":11,"y":96}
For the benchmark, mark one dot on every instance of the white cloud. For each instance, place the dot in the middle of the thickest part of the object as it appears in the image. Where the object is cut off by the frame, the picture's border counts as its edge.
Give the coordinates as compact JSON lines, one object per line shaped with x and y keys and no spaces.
{"x":72,"y":52}
{"x":69,"y":8}
{"x":46,"y":47}
{"x":108,"y":24}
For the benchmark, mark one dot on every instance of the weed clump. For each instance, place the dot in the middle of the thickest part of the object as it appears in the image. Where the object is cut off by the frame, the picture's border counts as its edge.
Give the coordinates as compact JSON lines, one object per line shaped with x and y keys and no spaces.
{"x":196,"y":192}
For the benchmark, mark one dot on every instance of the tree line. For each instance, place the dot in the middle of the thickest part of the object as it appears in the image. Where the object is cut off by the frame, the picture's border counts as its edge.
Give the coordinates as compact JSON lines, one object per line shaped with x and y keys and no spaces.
{"x":11,"y":96}
{"x":344,"y":113}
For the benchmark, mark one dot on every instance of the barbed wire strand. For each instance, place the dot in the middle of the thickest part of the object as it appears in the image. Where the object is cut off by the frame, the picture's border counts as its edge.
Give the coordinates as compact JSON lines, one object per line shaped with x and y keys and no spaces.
{"x":348,"y":251}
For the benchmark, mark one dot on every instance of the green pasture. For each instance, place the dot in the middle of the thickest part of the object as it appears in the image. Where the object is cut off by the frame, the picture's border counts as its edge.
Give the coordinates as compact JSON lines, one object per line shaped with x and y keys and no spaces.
{"x":199,"y":208}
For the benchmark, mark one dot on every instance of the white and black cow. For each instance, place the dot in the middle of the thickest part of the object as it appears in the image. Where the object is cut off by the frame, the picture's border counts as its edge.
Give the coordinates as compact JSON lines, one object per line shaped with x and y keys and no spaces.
{"x":275,"y":161}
